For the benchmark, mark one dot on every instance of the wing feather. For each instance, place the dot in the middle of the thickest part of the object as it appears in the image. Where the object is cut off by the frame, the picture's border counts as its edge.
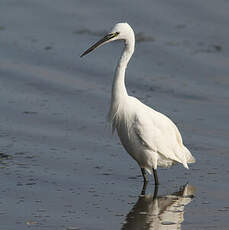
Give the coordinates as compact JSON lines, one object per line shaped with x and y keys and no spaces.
{"x":159,"y":134}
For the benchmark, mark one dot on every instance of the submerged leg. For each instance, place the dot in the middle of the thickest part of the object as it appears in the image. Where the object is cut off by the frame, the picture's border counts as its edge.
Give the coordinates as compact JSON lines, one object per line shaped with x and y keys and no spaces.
{"x":144,"y":188}
{"x":155,"y":177}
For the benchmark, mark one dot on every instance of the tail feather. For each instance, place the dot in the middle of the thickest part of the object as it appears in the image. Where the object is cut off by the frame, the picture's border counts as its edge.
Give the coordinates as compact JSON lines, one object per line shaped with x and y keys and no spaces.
{"x":190,"y":158}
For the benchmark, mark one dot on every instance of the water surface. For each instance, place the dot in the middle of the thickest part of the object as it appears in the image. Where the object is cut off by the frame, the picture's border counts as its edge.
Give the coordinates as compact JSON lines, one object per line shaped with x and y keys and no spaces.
{"x":60,"y":167}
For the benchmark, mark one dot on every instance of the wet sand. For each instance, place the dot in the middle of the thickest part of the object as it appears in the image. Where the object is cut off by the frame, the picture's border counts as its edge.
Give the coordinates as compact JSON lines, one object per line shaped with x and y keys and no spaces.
{"x":60,"y":166}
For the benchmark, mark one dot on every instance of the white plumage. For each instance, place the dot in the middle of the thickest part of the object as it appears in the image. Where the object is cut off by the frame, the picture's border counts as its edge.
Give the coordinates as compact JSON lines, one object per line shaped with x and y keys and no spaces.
{"x":150,"y":137}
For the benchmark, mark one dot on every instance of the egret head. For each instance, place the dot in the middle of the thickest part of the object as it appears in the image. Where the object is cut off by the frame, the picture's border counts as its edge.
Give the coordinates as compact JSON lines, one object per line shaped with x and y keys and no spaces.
{"x":121,"y":31}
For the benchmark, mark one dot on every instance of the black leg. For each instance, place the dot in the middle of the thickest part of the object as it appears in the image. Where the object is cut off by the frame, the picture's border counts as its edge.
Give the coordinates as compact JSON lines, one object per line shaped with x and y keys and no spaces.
{"x":155,"y":191}
{"x":144,"y":175}
{"x":144,"y":188}
{"x":155,"y":177}
{"x":145,"y":181}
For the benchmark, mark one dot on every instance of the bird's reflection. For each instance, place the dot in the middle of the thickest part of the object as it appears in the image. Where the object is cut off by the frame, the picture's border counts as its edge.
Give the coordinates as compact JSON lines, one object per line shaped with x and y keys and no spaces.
{"x":159,"y":212}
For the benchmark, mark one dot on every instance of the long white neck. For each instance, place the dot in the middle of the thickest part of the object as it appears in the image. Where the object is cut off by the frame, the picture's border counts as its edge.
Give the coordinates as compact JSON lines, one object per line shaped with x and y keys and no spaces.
{"x":119,"y":92}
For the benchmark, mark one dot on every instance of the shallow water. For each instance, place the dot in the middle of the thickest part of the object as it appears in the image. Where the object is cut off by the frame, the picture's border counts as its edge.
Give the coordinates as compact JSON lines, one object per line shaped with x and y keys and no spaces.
{"x":60,"y":167}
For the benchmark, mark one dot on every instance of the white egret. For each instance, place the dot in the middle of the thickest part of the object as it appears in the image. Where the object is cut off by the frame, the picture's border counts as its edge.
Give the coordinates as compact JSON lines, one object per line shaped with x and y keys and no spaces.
{"x":150,"y":137}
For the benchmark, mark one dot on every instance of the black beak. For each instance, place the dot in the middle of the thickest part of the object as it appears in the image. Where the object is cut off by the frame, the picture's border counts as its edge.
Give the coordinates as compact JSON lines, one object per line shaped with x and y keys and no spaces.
{"x":100,"y":42}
